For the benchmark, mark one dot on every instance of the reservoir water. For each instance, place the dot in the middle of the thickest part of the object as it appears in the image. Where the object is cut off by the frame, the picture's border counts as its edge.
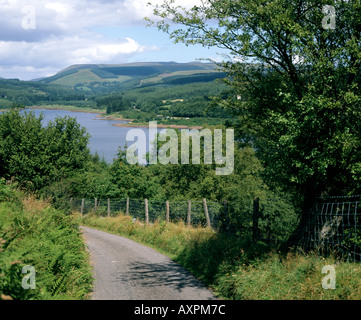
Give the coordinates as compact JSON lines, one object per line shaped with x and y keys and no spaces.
{"x":105,"y":139}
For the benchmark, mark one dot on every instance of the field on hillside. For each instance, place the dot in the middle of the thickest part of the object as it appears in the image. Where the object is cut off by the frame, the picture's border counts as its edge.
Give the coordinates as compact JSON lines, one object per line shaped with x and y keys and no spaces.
{"x":83,"y":77}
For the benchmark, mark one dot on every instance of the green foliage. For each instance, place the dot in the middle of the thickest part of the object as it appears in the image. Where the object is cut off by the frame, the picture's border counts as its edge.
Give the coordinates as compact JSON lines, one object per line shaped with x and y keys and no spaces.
{"x":161,"y":102}
{"x":113,"y":103}
{"x":7,"y":192}
{"x":92,"y":181}
{"x":22,"y":148}
{"x":291,"y":277}
{"x":192,"y":122}
{"x":35,"y":155}
{"x":138,"y":116}
{"x":134,"y":181}
{"x":67,"y":144}
{"x":199,"y":77}
{"x":182,"y":182}
{"x":29,"y":93}
{"x":239,"y":269}
{"x":33,"y":233}
{"x":278,"y":217}
{"x":352,"y":239}
{"x":299,"y":83}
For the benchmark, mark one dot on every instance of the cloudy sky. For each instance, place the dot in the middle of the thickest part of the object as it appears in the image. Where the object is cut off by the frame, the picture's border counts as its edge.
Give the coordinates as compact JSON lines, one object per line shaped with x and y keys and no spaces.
{"x":39,"y":38}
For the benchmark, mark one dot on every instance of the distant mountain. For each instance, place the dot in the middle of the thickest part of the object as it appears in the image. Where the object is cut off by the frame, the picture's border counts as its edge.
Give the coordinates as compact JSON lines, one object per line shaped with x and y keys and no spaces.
{"x":88,"y":76}
{"x":37,"y":79}
{"x":79,"y":84}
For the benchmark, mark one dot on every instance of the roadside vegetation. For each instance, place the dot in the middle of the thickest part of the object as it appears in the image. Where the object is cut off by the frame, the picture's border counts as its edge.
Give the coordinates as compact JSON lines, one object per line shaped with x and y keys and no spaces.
{"x":33,"y":233}
{"x":236,"y":268}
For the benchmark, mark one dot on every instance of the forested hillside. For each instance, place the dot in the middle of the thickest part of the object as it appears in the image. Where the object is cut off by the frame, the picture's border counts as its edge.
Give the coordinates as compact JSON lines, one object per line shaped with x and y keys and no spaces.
{"x":155,"y":102}
{"x":30,"y":93}
{"x":142,"y":92}
{"x":88,"y":76}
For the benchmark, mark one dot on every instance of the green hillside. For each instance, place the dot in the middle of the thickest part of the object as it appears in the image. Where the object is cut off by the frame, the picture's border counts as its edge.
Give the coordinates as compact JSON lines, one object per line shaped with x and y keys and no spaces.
{"x":31,"y":93}
{"x":160,"y":90}
{"x":94,"y":78}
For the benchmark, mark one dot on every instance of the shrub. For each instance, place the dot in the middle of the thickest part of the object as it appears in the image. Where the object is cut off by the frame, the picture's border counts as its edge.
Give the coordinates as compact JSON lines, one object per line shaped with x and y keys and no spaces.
{"x":37,"y":235}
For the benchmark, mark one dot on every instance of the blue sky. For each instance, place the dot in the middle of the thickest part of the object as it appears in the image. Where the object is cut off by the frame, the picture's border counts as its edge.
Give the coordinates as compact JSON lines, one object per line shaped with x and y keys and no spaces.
{"x":166,"y":49}
{"x":44,"y":37}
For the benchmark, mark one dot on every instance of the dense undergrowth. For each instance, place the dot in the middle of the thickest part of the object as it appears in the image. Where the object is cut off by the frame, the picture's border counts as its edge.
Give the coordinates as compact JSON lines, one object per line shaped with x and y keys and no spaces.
{"x":239,"y":269}
{"x":32,"y":233}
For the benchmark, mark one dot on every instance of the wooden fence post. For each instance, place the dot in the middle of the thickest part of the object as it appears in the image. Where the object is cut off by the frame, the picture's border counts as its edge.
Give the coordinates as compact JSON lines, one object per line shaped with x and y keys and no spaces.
{"x":167,"y":212}
{"x":206,"y":213}
{"x":127,"y":209}
{"x":95,"y":205}
{"x":108,"y":207}
{"x":189,"y":213}
{"x":82,"y":207}
{"x":255,"y":230}
{"x":146,"y":211}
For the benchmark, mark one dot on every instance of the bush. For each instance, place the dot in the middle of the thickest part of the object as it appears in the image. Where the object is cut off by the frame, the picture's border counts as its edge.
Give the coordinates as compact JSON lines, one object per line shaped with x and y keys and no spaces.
{"x":37,"y":235}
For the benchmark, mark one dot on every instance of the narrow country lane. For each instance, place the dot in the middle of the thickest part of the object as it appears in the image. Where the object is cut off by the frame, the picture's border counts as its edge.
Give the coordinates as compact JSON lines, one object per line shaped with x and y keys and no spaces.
{"x":126,"y":270}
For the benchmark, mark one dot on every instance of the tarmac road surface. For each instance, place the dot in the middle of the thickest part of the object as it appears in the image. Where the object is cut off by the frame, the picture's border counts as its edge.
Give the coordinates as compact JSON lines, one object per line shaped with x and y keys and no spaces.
{"x":126,"y":270}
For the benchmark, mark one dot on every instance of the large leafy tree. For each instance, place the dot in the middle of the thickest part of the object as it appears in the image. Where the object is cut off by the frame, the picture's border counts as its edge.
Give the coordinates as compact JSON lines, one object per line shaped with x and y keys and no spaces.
{"x":133,"y":180}
{"x":294,"y":78}
{"x":36,"y":155}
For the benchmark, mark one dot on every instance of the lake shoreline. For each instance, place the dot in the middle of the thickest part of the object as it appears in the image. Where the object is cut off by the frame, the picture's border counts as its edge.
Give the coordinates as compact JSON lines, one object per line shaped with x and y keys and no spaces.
{"x":71,"y":109}
{"x":170,"y":126}
{"x":141,"y":125}
{"x":102,"y":116}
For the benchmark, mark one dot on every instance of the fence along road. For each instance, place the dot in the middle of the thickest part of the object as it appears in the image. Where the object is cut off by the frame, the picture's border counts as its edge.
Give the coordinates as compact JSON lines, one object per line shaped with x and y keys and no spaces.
{"x":126,"y":270}
{"x":192,"y":212}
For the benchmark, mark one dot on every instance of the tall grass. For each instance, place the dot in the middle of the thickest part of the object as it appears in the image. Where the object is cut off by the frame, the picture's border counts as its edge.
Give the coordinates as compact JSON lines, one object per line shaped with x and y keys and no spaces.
{"x":236,"y":268}
{"x":35,"y":234}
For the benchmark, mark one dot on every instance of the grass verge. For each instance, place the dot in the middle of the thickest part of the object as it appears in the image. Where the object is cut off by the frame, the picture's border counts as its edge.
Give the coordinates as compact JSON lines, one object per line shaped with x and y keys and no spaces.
{"x":32,"y":233}
{"x":239,"y":269}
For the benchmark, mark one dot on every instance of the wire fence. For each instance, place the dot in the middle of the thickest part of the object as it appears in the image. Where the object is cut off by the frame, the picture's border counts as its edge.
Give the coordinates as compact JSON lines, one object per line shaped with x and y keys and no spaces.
{"x":333,"y":225}
{"x":266,"y":220}
{"x":194,"y":213}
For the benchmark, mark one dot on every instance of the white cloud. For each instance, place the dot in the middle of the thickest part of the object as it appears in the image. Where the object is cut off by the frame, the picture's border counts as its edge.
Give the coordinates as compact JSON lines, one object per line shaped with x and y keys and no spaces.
{"x":55,"y":53}
{"x":105,"y":52}
{"x":64,"y":36}
{"x":67,"y":32}
{"x":59,"y":8}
